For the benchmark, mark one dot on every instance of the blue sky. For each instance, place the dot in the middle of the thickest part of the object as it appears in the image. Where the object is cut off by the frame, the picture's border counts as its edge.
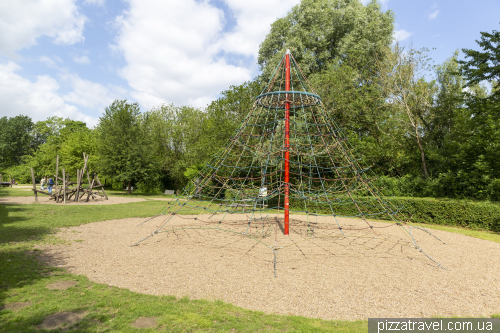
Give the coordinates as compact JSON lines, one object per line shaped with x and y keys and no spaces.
{"x":72,"y":58}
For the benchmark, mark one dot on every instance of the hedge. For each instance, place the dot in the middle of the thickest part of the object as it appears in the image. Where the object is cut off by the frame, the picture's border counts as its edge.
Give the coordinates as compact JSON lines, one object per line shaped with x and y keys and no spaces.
{"x":460,"y":213}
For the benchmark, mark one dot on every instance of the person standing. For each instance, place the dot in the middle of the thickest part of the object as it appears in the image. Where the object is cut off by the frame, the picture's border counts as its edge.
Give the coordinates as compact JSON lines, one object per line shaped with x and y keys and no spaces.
{"x":51,"y":183}
{"x":42,"y":183}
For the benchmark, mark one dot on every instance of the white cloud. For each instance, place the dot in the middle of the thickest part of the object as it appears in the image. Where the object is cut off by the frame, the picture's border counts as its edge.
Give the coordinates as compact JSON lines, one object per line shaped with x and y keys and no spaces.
{"x":253,"y":24}
{"x":95,"y":2}
{"x":87,"y":93}
{"x":22,"y":22}
{"x":433,"y":15}
{"x":172,"y":47}
{"x":37,"y":99}
{"x":82,"y":60}
{"x":401,"y":35}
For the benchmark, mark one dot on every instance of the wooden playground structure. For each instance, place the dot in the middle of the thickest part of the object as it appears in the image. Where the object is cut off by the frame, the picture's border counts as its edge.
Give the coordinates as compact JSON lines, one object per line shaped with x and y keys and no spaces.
{"x":68,"y":191}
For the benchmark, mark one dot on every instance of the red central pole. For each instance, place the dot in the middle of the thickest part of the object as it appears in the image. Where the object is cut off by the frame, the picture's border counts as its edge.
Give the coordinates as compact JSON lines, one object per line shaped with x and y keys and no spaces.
{"x":287,"y":142}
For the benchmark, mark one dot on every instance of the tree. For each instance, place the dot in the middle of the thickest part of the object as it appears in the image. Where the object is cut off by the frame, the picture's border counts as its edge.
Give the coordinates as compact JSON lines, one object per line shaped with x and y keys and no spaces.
{"x":15,"y":139}
{"x":485,"y":65}
{"x":124,"y":144}
{"x":74,"y":145}
{"x":405,"y":88}
{"x":186,"y":137}
{"x":54,"y":128}
{"x":449,"y":100}
{"x":317,"y":31}
{"x":225,"y":115}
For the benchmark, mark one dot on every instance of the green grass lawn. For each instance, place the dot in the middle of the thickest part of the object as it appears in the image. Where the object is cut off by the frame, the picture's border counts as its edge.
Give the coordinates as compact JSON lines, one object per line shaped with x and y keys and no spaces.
{"x":482,"y":234}
{"x":109,"y":309}
{"x":15,"y":192}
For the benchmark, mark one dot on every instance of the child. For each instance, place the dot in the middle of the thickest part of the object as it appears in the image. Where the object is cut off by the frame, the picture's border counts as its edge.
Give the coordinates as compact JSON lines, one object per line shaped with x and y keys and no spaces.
{"x":42,"y":183}
{"x":51,"y":182}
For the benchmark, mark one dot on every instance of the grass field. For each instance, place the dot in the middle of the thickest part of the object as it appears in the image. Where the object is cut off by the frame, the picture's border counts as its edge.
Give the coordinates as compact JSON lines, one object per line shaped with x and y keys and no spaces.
{"x":109,"y":309}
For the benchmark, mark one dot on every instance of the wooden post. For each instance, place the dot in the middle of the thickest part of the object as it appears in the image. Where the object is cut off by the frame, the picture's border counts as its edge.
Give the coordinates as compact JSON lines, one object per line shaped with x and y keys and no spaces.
{"x":82,"y":172}
{"x":57,"y":192}
{"x":34,"y":184}
{"x":10,"y":177}
{"x":88,"y":176}
{"x":86,"y":158}
{"x":102,"y":187}
{"x":89,"y":190}
{"x":57,"y":173}
{"x":81,"y":182}
{"x":84,"y":165}
{"x":64,"y":185}
{"x":77,"y":185}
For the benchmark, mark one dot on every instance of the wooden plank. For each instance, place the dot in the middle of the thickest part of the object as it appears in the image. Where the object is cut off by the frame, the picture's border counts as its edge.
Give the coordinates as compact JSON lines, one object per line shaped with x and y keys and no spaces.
{"x":41,"y":192}
{"x":90,"y":191}
{"x":88,"y":176}
{"x":99,"y":182}
{"x":77,"y":185}
{"x":34,"y":184}
{"x":84,"y":164}
{"x":82,"y":172}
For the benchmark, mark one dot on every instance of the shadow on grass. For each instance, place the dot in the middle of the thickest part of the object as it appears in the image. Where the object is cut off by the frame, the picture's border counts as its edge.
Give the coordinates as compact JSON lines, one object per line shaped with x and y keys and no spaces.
{"x":19,"y":264}
{"x":12,"y":228}
{"x":23,"y":277}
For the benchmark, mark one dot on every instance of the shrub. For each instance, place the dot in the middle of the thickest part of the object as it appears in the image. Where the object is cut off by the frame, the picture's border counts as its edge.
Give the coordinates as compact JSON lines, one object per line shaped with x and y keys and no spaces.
{"x":461,"y":213}
{"x":450,"y":212}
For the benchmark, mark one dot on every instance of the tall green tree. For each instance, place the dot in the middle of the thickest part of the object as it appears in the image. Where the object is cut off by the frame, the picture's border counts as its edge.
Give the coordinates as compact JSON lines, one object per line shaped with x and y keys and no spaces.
{"x":318,"y":31}
{"x":124,"y":151}
{"x":186,"y":138}
{"x":225,"y":115}
{"x":336,"y":42}
{"x":402,"y":79}
{"x":15,"y":140}
{"x":49,"y":138}
{"x":54,"y":129}
{"x":75,"y":143}
{"x":178,"y":139}
{"x":484,"y":65}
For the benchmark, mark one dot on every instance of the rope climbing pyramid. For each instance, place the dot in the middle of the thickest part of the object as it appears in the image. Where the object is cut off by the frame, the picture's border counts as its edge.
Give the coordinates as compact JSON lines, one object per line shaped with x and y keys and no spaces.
{"x":288,"y":175}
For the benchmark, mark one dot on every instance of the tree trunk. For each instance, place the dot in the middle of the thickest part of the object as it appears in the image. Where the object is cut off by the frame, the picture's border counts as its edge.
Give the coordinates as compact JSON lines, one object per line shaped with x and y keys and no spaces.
{"x":129,"y":188}
{"x":424,"y":166}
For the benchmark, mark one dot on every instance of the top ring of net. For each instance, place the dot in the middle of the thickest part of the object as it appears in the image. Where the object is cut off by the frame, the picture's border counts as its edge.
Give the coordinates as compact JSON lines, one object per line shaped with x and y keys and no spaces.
{"x":278,"y":99}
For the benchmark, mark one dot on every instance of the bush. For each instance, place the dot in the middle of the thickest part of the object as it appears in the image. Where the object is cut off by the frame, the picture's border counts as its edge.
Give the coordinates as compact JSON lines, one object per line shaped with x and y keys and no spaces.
{"x":21,"y":173}
{"x":460,"y":213}
{"x":446,"y":185}
{"x":455,"y":213}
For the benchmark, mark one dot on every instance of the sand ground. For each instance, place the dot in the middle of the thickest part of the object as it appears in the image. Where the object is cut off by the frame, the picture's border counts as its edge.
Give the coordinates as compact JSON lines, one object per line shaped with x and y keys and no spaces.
{"x":358,"y":275}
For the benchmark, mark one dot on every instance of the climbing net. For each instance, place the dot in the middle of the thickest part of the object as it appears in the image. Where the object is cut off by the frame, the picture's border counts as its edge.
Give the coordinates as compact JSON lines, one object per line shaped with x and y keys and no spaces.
{"x":287,"y":157}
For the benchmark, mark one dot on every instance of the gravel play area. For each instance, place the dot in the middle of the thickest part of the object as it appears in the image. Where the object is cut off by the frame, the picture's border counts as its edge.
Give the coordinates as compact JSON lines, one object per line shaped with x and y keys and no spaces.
{"x":329,"y":276}
{"x":43,"y":199}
